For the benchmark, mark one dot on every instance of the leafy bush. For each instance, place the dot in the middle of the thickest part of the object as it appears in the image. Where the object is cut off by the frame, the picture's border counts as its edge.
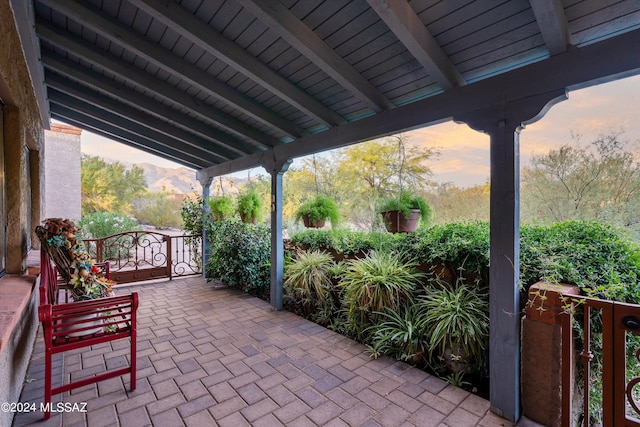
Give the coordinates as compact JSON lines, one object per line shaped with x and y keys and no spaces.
{"x":103,"y":224}
{"x":597,"y":258}
{"x":345,"y":241}
{"x":192,"y":215}
{"x":97,"y":225}
{"x":240,"y":256}
{"x":158,"y":210}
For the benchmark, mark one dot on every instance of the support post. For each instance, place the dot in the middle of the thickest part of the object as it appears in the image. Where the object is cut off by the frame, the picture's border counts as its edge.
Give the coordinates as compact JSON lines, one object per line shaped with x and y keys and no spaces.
{"x":206,"y":192}
{"x":277,"y":168}
{"x":503,"y":124}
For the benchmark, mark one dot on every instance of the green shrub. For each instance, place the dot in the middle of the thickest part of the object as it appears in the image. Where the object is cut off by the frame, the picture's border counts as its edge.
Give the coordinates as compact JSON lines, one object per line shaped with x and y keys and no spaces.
{"x":240,"y":256}
{"x":158,"y":210}
{"x":192,"y":215}
{"x":97,"y":225}
{"x":598,"y":258}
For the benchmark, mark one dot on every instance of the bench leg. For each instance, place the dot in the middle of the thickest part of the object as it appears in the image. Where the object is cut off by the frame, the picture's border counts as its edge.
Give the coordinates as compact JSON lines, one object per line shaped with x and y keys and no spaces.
{"x":47,"y":383}
{"x":132,"y":380}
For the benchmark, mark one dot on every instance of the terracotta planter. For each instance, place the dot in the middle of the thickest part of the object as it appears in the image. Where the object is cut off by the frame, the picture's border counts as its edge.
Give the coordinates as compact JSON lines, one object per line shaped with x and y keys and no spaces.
{"x":396,"y":222}
{"x":247,"y":219}
{"x":310,"y":224}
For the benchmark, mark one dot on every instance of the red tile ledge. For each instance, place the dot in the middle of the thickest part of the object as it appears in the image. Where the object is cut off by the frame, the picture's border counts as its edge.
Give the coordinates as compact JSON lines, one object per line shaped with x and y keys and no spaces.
{"x":17,"y":290}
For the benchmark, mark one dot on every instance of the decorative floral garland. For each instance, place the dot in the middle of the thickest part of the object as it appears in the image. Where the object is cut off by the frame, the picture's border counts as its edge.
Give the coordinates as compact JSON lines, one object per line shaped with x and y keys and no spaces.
{"x":74,"y":263}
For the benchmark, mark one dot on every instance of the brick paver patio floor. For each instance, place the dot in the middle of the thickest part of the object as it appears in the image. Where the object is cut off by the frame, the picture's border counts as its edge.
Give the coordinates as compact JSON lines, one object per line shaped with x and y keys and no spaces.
{"x":212,"y":356}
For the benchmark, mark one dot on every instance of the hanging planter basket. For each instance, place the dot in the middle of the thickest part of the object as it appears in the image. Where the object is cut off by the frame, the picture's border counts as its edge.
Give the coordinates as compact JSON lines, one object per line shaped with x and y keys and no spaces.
{"x":309,"y":223}
{"x":397,"y":222}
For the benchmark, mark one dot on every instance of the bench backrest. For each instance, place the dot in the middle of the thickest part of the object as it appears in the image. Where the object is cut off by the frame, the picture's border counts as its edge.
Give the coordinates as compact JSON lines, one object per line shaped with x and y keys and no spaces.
{"x":48,"y":279}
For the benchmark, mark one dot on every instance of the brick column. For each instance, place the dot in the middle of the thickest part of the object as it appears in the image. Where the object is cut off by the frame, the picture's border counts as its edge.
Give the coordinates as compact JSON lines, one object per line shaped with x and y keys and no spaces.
{"x":541,"y":353}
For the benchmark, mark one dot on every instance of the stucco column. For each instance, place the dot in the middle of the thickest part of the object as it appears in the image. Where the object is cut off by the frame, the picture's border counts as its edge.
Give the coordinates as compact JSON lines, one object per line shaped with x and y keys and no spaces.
{"x":503,"y":124}
{"x":277,"y":170}
{"x":17,"y":191}
{"x":37,"y":183}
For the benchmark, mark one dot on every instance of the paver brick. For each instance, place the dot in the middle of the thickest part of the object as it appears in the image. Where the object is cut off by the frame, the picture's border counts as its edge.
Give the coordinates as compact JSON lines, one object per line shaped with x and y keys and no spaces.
{"x":215,"y":356}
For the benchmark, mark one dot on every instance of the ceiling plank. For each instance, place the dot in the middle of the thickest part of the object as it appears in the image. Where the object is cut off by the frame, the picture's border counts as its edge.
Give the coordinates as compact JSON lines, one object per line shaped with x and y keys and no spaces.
{"x":596,"y":63}
{"x":88,"y":52}
{"x":553,"y":24}
{"x":302,"y":38}
{"x":93,"y":18}
{"x":103,"y":129}
{"x":187,"y":25}
{"x":127,"y":125}
{"x":68,"y":87}
{"x":112,"y":89}
{"x":407,"y":26}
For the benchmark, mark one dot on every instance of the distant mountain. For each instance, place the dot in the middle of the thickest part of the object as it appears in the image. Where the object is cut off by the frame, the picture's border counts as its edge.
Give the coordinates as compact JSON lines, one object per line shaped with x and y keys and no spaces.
{"x":177,"y":180}
{"x":182,"y":180}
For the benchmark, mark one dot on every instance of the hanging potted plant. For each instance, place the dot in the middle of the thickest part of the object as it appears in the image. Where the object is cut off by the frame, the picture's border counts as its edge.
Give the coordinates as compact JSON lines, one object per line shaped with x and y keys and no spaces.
{"x":316,"y":212}
{"x":403,"y":213}
{"x":221,"y":207}
{"x":249,"y":206}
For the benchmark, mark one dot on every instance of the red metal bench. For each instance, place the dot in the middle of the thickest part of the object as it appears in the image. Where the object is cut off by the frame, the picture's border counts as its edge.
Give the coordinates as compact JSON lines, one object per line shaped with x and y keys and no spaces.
{"x":73,"y":325}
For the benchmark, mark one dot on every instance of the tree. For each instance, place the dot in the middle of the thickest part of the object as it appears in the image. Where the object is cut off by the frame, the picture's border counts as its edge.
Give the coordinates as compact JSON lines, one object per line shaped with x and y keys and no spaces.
{"x":159,"y":209}
{"x":378,"y":169}
{"x":598,"y":182}
{"x":454,"y":204}
{"x":109,"y":187}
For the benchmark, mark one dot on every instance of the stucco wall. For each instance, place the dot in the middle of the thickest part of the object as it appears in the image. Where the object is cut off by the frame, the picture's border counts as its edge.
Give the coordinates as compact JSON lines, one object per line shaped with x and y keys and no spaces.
{"x":62,"y":166}
{"x":22,"y":138}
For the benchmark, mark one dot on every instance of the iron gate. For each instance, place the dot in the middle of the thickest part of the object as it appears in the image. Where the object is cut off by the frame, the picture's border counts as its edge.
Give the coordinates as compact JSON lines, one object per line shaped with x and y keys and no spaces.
{"x":139,"y":255}
{"x":620,"y":388}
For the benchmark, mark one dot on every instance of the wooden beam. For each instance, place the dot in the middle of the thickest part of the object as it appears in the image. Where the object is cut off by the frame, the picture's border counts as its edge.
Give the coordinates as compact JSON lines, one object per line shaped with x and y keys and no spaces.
{"x":130,"y":127}
{"x":407,"y":26}
{"x":189,"y":26}
{"x":553,"y":24}
{"x":302,"y":38}
{"x":76,"y":46}
{"x":110,"y":88}
{"x":94,"y":19}
{"x":23,"y":16}
{"x":83,"y":122}
{"x":577,"y":68}
{"x":110,"y":105}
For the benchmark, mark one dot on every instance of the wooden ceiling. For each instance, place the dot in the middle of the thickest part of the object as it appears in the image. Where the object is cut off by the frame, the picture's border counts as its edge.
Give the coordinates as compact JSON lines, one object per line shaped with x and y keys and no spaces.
{"x":220,"y":84}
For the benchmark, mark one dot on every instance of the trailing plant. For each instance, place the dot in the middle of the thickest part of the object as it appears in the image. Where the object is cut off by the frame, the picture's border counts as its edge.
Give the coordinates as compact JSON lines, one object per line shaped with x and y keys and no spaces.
{"x":401,"y":334}
{"x":240,"y":256}
{"x":404,"y":203}
{"x":249,"y":206}
{"x":458,"y":321}
{"x":380,"y":281}
{"x":321,"y":208}
{"x":221,"y":207}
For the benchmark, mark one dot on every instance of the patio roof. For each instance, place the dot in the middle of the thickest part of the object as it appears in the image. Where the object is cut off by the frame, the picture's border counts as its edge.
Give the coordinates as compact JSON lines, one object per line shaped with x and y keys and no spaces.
{"x":226,"y":84}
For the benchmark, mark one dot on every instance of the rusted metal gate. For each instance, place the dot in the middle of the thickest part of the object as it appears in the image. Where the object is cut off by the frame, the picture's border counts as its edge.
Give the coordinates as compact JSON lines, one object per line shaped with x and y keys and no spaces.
{"x":138,"y":255}
{"x":620,"y":388}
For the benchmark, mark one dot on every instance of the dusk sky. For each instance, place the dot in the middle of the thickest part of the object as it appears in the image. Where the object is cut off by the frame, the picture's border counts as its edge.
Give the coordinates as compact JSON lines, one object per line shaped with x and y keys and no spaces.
{"x":464,"y":158}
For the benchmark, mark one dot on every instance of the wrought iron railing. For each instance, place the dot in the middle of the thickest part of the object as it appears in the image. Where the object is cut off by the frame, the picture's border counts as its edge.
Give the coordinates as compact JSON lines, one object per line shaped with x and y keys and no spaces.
{"x":138,"y":255}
